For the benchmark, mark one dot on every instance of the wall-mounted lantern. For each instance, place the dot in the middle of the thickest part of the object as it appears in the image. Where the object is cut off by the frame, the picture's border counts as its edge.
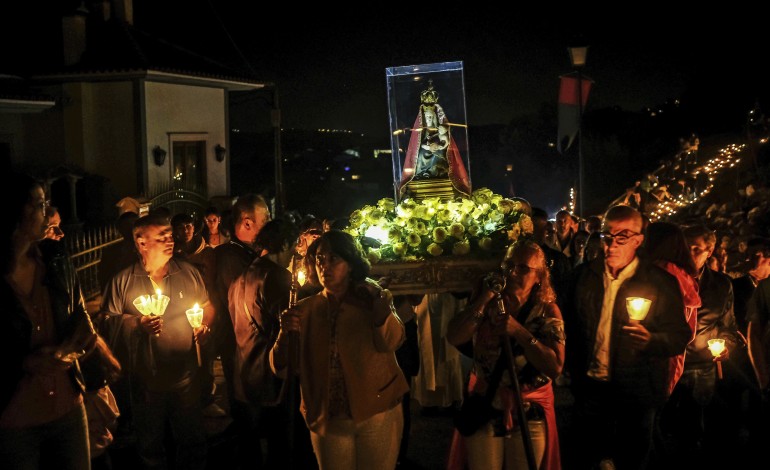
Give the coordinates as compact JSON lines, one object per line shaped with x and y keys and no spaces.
{"x":220,"y":152}
{"x":159,"y":155}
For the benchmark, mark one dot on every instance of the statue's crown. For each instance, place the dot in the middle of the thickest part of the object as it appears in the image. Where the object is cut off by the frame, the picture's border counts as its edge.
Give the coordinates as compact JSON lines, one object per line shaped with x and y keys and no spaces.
{"x":429,"y":96}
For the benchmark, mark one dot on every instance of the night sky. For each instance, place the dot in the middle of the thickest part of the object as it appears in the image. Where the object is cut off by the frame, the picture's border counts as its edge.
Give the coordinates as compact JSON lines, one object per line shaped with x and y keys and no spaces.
{"x":330,"y":72}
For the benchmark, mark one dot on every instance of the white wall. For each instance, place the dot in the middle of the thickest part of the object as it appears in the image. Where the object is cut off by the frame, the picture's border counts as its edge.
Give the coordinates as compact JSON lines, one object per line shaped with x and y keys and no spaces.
{"x":183,"y":109}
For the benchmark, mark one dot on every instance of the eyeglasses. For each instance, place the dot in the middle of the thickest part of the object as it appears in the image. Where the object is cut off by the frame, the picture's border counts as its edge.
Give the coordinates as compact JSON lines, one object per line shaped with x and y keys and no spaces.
{"x":42,"y":205}
{"x":522,"y":269}
{"x":621,"y":238}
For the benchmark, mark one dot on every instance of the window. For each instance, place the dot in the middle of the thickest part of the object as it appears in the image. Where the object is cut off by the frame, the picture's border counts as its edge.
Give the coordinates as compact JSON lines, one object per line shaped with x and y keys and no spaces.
{"x":189,"y":164}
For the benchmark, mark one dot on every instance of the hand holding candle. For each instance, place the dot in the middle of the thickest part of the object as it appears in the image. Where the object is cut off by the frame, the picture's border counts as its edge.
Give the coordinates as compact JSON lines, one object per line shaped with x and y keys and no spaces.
{"x":159,"y":303}
{"x":717,"y":347}
{"x":195,"y":317}
{"x":637,"y":308}
{"x":147,"y":306}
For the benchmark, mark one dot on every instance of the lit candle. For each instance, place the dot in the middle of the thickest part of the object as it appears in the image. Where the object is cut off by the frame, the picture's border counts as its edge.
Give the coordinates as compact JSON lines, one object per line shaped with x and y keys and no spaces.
{"x":301,"y":277}
{"x":195,"y":317}
{"x":143,"y":304}
{"x":637,"y":308}
{"x":159,"y":303}
{"x":717,"y":346}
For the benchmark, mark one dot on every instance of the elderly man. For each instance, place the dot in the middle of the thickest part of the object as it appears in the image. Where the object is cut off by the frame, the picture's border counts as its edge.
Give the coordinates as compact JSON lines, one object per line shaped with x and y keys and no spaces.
{"x":164,"y":373}
{"x":619,"y":367}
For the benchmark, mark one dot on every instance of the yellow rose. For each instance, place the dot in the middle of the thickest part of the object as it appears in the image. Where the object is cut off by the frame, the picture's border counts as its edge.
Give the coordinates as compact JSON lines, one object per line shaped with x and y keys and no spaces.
{"x":461,"y":248}
{"x":474,"y":230}
{"x":413,"y":239}
{"x":444,"y":215}
{"x":373,"y":256}
{"x":485,"y":243}
{"x":495,"y":216}
{"x":439,"y":234}
{"x":394,"y":234}
{"x":456,"y":230}
{"x":355,"y":218}
{"x":506,"y":206}
{"x":387,"y":204}
{"x":375,"y":216}
{"x":421,"y":228}
{"x":482,"y":195}
{"x":399,"y":249}
{"x":420,"y":212}
{"x":435,"y":249}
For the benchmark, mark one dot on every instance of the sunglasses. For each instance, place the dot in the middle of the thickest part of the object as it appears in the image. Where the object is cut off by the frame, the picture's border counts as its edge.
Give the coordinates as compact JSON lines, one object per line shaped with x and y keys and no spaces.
{"x":621,"y":238}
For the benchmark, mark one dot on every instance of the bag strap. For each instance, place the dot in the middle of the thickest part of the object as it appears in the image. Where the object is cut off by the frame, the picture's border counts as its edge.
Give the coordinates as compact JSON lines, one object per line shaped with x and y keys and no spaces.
{"x":494,"y":379}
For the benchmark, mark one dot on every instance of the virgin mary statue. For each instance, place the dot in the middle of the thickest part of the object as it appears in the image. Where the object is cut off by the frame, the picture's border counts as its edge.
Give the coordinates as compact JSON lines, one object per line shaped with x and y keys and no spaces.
{"x":433,"y":165}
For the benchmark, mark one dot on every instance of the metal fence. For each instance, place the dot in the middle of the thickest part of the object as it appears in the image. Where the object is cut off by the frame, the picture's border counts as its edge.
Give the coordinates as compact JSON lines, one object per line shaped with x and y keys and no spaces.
{"x":180,"y":201}
{"x":85,"y":250}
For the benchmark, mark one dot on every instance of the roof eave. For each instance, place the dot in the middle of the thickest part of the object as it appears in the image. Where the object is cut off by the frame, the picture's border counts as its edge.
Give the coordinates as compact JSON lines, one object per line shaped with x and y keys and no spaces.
{"x":20,"y":106}
{"x":228,"y":83}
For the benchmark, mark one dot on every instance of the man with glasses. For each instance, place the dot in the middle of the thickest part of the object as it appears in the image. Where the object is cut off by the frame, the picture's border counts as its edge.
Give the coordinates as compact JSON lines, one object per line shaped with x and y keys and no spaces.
{"x":619,"y":367}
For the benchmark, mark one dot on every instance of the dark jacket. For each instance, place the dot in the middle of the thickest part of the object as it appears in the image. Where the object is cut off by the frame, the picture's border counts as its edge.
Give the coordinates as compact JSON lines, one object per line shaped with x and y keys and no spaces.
{"x":639,"y":375}
{"x":256,"y":300}
{"x":69,"y":312}
{"x":715,"y":319}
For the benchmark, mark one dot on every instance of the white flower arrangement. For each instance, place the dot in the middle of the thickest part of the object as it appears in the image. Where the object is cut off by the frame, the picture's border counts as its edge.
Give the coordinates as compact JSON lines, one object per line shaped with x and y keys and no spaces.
{"x":482,"y":225}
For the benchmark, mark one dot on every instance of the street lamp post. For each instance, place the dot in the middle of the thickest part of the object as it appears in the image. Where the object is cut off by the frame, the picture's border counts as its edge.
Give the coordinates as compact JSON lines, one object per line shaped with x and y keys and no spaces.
{"x":275,"y":121}
{"x":577,"y":56}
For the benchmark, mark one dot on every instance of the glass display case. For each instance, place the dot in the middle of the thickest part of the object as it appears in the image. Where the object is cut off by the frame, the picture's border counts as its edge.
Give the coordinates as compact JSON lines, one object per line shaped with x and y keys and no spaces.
{"x":429,"y":132}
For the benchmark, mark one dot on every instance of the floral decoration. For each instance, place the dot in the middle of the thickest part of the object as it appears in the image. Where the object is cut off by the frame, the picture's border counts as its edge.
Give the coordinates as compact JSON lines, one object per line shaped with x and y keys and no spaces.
{"x":482,"y":226}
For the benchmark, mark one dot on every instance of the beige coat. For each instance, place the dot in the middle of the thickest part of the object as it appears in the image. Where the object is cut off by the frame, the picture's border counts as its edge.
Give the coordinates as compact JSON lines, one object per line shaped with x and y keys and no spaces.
{"x":373,"y":379}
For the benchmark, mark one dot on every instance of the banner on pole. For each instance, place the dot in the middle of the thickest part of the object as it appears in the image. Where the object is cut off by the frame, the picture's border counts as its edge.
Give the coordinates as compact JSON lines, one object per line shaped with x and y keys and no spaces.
{"x":573,"y":88}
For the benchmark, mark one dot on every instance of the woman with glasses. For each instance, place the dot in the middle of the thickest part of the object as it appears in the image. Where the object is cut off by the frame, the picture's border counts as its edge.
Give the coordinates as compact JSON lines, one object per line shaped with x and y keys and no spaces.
{"x":351,"y":384}
{"x":532,"y":322}
{"x":46,"y":332}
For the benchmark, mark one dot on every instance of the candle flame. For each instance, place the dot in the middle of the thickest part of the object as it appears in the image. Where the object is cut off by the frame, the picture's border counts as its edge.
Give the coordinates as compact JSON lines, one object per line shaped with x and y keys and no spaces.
{"x":716,"y":346}
{"x":157,"y":291}
{"x":196,"y":307}
{"x":301,"y":277}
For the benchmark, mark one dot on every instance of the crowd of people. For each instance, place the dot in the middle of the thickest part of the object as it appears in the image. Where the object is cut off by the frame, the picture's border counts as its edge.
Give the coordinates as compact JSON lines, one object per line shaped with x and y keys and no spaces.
{"x":320,"y":367}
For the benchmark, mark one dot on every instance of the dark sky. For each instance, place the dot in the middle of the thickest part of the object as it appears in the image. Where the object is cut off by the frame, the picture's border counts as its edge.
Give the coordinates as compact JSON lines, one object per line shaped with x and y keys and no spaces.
{"x":329,"y":61}
{"x":329,"y":64}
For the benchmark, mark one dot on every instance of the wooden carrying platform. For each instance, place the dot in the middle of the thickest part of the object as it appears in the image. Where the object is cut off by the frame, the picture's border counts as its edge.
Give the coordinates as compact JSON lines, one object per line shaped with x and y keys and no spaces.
{"x":441,"y":274}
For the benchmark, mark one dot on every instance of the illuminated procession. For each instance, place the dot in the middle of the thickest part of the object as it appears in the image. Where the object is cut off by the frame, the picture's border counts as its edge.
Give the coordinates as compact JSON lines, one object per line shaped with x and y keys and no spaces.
{"x":466,"y":266}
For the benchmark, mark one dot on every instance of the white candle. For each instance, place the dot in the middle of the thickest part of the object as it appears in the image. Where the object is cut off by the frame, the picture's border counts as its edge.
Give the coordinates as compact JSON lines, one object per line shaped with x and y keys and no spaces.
{"x":716,"y":346}
{"x":195,"y":316}
{"x":637,"y":308}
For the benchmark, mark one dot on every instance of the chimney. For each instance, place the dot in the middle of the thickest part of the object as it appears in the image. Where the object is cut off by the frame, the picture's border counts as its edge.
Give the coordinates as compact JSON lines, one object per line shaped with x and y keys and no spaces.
{"x":74,"y":35}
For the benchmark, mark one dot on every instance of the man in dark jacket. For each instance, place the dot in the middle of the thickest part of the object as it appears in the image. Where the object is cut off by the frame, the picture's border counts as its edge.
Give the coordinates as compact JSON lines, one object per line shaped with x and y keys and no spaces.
{"x":619,"y":368}
{"x":250,"y":213}
{"x":696,"y":415}
{"x":256,"y":299}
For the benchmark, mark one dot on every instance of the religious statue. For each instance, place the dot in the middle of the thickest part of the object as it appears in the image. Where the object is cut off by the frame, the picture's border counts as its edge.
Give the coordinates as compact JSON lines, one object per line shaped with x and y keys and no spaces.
{"x":433,"y":165}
